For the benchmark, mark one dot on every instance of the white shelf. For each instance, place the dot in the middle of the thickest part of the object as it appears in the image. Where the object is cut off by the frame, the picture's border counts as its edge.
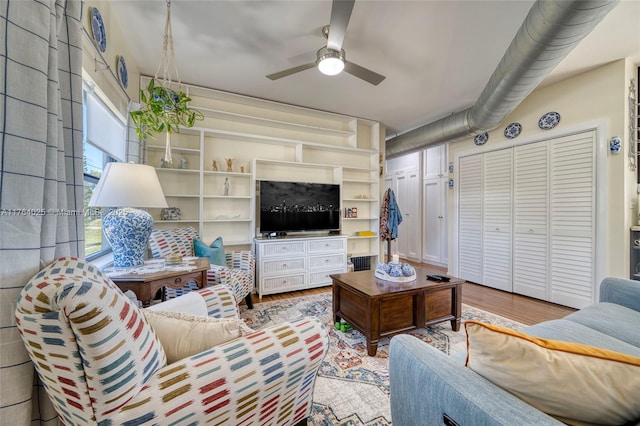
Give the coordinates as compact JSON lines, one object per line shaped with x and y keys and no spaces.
{"x":365,"y":237}
{"x":244,"y":118}
{"x":221,"y":173}
{"x":274,"y":140}
{"x":226,"y":220}
{"x":364,"y":200}
{"x":185,"y":171}
{"x":228,"y":197}
{"x":366,"y":181}
{"x":177,"y":221}
{"x":174,"y":148}
{"x":181,"y":195}
{"x":359,"y":218}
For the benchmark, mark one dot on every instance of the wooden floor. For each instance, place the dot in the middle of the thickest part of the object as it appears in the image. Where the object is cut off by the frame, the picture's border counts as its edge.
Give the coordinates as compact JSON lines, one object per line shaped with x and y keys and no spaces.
{"x":513,"y":306}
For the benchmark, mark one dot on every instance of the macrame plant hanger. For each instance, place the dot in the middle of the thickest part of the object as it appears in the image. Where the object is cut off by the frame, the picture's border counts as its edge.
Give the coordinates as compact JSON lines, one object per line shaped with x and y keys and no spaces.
{"x":168,"y":65}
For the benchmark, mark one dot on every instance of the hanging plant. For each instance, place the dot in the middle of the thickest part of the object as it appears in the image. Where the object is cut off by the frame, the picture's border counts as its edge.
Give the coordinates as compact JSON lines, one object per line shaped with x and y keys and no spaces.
{"x":164,"y":109}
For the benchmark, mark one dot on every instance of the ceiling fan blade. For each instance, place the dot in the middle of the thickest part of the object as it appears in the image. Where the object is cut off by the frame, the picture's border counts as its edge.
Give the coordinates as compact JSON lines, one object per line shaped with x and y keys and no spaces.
{"x":340,"y":15}
{"x":363,"y":73}
{"x":277,"y":75}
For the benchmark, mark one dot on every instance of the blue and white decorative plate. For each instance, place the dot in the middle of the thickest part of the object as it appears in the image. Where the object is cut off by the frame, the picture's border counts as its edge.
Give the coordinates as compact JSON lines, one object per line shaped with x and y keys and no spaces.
{"x":549,"y":120}
{"x":481,"y":139}
{"x":123,"y":75}
{"x":512,"y":130}
{"x":97,"y":30}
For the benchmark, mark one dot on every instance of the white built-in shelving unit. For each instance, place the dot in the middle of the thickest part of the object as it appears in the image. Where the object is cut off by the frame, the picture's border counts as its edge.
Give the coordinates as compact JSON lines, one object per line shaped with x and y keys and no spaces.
{"x":267,"y":140}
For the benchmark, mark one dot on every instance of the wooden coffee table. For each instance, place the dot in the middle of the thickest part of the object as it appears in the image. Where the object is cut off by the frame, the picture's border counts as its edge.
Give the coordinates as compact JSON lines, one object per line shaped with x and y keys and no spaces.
{"x":380,"y":308}
{"x":145,"y":286}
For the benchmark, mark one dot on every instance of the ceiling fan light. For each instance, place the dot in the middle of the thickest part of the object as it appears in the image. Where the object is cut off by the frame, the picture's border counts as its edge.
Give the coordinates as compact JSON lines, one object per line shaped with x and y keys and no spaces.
{"x":331,"y":62}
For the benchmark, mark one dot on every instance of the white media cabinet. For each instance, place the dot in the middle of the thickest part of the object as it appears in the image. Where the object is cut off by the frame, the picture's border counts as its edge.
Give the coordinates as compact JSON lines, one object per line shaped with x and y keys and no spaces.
{"x":296,"y":263}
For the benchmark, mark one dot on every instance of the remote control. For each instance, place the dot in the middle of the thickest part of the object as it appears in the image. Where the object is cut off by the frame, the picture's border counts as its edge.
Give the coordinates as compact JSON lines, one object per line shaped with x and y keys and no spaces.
{"x":434,"y":277}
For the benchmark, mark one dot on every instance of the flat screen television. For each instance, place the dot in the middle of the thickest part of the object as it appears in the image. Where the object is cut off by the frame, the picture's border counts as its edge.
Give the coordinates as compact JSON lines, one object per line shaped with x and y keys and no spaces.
{"x":298,"y":206}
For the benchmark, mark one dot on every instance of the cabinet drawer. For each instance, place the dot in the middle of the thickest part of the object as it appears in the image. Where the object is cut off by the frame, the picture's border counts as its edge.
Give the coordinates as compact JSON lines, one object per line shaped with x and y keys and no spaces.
{"x":282,"y":249}
{"x":330,"y":244}
{"x":329,"y":261}
{"x":282,"y":283}
{"x":322,"y":278}
{"x":282,"y":266}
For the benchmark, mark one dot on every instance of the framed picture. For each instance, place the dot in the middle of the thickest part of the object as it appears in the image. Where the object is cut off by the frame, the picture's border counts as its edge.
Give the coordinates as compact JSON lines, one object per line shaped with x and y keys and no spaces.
{"x":351,"y":212}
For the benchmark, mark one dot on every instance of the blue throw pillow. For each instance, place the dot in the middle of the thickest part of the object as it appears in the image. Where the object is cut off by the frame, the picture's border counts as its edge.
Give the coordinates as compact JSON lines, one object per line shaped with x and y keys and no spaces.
{"x":215,"y":252}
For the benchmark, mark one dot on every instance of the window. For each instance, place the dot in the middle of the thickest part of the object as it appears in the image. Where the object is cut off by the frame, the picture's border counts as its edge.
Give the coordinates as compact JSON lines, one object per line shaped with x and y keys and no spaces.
{"x":103,"y":142}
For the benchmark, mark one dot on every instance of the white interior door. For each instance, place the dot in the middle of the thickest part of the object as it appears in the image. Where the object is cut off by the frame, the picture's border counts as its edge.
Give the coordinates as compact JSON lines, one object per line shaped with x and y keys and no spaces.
{"x":497,"y":219}
{"x":470,"y":218}
{"x":531,"y":214}
{"x":572,"y":236}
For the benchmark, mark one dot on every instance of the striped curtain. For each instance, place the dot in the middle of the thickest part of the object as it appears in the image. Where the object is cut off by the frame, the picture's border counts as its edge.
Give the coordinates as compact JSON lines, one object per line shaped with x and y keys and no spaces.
{"x":41,"y":173}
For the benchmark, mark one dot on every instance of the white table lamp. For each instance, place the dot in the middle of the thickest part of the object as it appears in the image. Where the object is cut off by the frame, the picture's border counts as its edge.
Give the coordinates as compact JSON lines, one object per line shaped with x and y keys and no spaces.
{"x":128,"y":185}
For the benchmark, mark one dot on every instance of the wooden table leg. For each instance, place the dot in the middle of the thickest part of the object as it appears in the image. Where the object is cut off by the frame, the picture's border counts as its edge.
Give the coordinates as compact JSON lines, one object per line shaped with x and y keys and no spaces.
{"x":372,"y":347}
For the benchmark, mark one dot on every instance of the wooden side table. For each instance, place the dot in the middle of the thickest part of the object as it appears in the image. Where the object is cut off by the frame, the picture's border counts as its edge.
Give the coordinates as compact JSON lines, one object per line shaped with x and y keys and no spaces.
{"x":145,"y":286}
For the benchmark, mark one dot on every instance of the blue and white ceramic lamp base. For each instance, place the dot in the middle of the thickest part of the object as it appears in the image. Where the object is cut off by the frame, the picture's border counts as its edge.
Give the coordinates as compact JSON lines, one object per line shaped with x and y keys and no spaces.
{"x":128,"y":231}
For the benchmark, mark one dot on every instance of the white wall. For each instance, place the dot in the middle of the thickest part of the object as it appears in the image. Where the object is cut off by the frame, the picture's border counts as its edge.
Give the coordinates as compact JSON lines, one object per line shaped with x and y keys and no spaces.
{"x":598,"y":95}
{"x":101,"y":69}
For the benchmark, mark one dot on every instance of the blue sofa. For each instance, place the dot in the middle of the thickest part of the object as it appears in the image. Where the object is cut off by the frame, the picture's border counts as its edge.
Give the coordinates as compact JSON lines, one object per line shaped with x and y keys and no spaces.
{"x":431,"y":388}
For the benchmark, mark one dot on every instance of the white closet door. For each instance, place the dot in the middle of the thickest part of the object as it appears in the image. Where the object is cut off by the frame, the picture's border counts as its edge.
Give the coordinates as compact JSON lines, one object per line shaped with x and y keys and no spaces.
{"x":413,"y":228}
{"x":432,"y":221}
{"x":573,"y":220}
{"x":470,"y":218}
{"x":497,"y":219}
{"x":402,"y":197}
{"x":531,"y":215}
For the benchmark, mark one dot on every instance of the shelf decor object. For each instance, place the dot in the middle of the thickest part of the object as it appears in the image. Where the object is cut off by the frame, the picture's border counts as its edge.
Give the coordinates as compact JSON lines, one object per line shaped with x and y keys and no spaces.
{"x":164,"y":109}
{"x":481,"y":139}
{"x":123,"y":74}
{"x":615,"y":145}
{"x":549,"y":120}
{"x":98,"y":31}
{"x":512,"y":130}
{"x":127,"y":185}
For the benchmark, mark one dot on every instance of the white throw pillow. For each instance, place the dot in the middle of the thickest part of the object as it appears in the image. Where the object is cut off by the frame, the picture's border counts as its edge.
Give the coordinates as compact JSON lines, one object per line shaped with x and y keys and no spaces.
{"x":183,"y":335}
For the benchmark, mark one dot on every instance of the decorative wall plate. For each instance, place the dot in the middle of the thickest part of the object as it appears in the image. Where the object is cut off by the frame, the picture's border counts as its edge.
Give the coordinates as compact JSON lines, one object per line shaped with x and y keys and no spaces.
{"x":97,"y":30}
{"x":123,"y":75}
{"x":481,"y":139}
{"x":512,"y":130}
{"x":549,"y":120}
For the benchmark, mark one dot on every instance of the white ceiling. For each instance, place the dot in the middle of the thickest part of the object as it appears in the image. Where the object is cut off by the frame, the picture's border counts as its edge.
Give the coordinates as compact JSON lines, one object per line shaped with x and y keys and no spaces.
{"x":437,"y":56}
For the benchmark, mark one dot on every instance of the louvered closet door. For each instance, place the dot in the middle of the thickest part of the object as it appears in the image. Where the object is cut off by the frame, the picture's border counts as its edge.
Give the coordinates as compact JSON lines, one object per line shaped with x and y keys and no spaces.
{"x":470,"y":219}
{"x":573,"y":220}
{"x":531,"y":216}
{"x":497,"y":220}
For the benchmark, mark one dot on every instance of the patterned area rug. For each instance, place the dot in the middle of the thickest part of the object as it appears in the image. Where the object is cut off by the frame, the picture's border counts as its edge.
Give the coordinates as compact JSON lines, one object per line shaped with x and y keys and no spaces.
{"x":352,"y":388}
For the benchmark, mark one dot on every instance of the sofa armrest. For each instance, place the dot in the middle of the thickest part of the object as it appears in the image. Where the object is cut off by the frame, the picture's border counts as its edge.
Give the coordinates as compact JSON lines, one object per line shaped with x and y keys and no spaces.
{"x":266,"y":378}
{"x":621,"y":291}
{"x":426,"y":385}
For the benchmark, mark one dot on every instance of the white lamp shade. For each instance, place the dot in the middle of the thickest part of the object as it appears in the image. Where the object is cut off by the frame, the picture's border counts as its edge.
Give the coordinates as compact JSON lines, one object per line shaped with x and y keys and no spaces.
{"x":128,"y":185}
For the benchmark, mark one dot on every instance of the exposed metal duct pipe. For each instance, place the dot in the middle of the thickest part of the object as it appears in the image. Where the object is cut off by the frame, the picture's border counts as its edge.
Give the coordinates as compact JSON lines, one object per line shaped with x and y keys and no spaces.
{"x":550,"y":31}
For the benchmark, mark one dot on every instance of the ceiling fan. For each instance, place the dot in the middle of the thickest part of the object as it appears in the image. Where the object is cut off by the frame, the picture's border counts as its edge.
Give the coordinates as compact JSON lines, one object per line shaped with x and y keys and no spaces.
{"x":331,"y":59}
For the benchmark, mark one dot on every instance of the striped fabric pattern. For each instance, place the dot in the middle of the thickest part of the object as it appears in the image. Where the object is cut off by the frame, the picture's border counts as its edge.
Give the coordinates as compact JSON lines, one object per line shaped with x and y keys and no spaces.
{"x":239,"y":275}
{"x":91,"y":346}
{"x":220,"y":301}
{"x":102,"y":364}
{"x":41,"y":173}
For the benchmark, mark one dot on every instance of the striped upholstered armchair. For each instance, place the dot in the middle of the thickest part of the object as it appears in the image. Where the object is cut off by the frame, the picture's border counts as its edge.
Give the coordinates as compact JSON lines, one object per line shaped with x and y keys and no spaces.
{"x":238,"y":275}
{"x":102,"y":362}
